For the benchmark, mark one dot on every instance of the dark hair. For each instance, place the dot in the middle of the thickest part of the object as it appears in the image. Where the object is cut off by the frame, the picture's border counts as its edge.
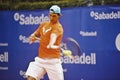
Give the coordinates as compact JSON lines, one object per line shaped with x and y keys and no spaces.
{"x":58,"y":14}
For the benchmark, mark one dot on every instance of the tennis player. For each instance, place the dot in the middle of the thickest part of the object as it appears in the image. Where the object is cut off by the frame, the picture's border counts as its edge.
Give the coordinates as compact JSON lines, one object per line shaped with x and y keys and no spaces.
{"x":48,"y":59}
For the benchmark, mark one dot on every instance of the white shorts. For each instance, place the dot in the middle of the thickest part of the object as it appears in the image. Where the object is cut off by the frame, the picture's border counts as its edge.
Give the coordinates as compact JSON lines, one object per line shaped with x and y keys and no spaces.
{"x":40,"y":66}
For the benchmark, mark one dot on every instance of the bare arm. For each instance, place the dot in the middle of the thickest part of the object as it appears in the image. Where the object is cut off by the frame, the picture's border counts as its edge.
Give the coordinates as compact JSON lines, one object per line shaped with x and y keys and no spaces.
{"x":34,"y":36}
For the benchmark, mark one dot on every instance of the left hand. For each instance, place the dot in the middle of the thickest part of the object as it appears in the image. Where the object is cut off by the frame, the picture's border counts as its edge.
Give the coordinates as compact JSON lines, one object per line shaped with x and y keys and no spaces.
{"x":33,"y":38}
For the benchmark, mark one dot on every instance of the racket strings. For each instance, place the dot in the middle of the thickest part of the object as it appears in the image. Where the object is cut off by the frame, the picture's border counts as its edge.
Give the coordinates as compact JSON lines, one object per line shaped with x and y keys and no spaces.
{"x":72,"y":45}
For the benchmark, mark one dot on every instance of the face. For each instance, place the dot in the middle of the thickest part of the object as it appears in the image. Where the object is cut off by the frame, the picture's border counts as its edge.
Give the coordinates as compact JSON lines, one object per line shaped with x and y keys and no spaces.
{"x":54,"y":17}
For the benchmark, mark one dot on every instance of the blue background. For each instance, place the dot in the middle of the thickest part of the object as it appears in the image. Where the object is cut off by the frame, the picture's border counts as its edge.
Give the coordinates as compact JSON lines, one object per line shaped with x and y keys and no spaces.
{"x":74,"y":20}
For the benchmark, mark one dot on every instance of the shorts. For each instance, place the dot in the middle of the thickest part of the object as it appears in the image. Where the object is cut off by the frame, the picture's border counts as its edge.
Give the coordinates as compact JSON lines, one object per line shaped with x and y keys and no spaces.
{"x":39,"y":67}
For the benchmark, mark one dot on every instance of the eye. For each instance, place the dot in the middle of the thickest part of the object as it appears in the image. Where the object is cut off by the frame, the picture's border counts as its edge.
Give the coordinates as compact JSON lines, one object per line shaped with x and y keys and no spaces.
{"x":52,"y":15}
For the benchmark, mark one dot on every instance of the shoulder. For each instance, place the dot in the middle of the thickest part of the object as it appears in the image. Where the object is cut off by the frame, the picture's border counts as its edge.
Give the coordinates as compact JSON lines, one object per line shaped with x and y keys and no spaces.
{"x":59,"y":24}
{"x":58,"y":28}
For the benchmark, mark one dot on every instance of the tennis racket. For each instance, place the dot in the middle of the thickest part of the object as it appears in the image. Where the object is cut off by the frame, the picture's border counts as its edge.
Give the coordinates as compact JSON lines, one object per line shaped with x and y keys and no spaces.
{"x":71,"y":47}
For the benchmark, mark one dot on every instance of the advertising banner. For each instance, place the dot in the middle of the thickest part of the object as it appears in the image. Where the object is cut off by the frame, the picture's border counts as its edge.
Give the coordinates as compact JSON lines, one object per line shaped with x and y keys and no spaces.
{"x":94,"y":30}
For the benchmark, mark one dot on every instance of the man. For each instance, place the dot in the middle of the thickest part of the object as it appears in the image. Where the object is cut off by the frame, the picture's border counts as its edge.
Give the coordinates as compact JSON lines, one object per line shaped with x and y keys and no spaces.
{"x":48,"y":59}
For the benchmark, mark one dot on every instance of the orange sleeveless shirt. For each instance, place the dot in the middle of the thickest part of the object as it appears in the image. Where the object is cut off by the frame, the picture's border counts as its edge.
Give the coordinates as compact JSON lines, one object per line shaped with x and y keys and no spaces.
{"x":44,"y":31}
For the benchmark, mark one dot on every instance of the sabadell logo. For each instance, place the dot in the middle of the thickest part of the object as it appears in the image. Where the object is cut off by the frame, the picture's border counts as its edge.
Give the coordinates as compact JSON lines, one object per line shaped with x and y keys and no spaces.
{"x":30,"y":19}
{"x":117,"y":42}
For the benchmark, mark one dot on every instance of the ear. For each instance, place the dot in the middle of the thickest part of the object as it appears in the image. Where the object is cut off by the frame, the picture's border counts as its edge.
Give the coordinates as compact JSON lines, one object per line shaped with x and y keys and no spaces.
{"x":59,"y":15}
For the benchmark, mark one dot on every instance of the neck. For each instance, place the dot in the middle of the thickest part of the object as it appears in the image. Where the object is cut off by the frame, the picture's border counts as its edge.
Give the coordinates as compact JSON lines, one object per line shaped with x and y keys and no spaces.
{"x":54,"y":22}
